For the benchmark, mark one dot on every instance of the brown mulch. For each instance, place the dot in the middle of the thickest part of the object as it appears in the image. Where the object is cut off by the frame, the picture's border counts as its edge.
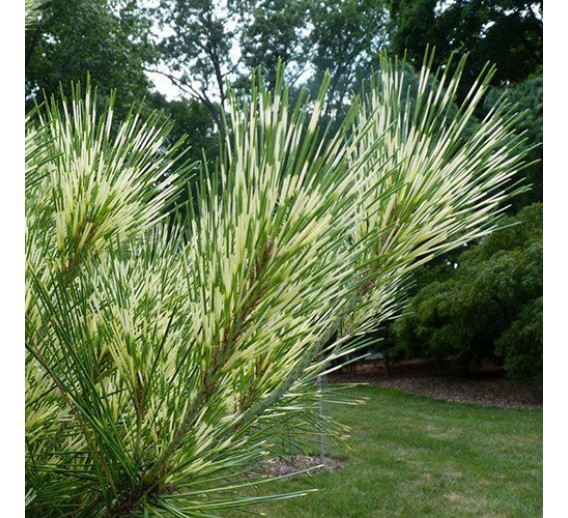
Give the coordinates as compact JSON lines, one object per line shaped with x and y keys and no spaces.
{"x":485,"y":388}
{"x":291,"y":464}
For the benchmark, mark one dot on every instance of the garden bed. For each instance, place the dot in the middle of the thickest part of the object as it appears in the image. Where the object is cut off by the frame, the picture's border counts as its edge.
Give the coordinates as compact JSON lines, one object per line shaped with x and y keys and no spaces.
{"x":487,"y":388}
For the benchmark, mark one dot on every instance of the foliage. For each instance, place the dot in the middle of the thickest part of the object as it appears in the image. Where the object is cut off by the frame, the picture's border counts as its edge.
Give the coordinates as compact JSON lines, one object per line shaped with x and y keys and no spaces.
{"x":108,"y":39}
{"x":346,"y":36}
{"x":528,"y":98}
{"x":196,"y":48}
{"x":209,"y":44}
{"x":189,"y":117}
{"x":275,"y":30}
{"x":506,"y":33}
{"x":487,"y":304}
{"x":163,"y":360}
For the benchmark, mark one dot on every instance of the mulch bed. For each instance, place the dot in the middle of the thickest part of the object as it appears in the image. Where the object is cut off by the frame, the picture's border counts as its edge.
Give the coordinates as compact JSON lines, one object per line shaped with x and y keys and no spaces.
{"x":487,"y":388}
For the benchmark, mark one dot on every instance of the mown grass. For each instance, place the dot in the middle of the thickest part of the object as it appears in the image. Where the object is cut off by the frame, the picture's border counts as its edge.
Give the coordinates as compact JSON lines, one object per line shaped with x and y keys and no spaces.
{"x":413,"y":457}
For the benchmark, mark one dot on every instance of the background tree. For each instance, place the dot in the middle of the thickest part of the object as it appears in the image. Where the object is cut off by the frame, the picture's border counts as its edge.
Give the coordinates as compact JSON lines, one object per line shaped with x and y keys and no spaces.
{"x":527,"y":96}
{"x":276,"y":30}
{"x":196,"y":48}
{"x":506,"y":33}
{"x":346,"y":36}
{"x":107,"y":39}
{"x":211,"y":43}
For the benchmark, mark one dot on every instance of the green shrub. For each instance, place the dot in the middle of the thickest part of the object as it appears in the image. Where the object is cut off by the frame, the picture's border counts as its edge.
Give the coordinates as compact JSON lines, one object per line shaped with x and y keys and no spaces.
{"x":489,"y":306}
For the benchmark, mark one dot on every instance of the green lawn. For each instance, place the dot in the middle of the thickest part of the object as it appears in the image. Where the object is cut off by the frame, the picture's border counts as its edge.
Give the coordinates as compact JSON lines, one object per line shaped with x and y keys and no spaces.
{"x":414,"y":457}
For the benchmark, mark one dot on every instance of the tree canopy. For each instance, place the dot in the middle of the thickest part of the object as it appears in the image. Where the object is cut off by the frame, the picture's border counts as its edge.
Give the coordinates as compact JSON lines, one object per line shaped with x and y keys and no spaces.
{"x":107,"y":39}
{"x":506,"y":33}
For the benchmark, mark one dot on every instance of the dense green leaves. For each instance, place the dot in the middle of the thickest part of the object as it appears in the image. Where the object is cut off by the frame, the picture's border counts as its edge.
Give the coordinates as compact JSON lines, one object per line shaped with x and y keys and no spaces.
{"x":505,"y":33}
{"x":488,"y":304}
{"x":528,"y":98}
{"x":509,"y":35}
{"x":108,"y":39}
